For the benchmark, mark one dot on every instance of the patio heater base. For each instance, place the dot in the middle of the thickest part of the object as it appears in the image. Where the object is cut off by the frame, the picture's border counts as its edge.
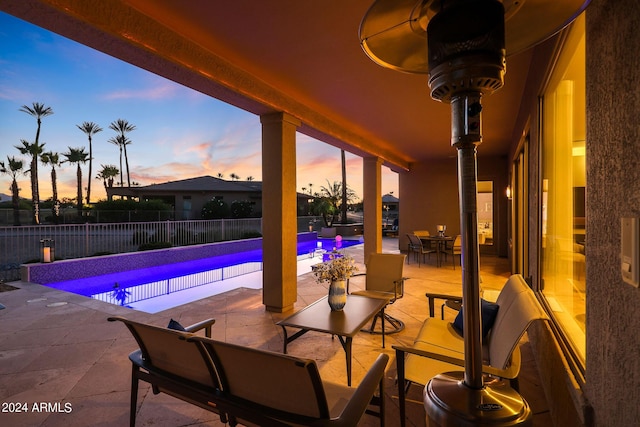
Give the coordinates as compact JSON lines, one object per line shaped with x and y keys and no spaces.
{"x":450,"y":403}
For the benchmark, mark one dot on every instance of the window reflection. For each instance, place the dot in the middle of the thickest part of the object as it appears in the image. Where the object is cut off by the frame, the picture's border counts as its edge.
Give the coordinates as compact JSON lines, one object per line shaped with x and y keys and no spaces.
{"x":564,"y":189}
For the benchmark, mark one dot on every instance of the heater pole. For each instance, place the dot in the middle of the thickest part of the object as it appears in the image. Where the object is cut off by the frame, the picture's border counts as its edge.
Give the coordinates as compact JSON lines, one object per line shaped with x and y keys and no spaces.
{"x":465,"y":137}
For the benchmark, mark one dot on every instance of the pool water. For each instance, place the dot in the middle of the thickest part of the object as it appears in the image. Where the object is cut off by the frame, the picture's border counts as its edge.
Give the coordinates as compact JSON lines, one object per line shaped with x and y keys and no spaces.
{"x":158,"y":288}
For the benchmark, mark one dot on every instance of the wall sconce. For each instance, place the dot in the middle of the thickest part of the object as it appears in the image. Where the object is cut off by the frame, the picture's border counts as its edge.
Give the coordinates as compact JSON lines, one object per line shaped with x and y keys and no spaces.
{"x":47,"y":250}
{"x":508,"y":192}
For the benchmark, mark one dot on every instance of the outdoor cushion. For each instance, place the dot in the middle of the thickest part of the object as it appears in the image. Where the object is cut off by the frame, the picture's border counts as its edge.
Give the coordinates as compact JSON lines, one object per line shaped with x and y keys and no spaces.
{"x":489,"y":311}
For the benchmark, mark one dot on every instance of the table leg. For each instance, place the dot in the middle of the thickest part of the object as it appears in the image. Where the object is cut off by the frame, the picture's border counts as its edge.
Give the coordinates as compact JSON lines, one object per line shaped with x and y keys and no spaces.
{"x":286,"y":341}
{"x":346,"y":346}
{"x":382,"y":312}
{"x":347,"y":350}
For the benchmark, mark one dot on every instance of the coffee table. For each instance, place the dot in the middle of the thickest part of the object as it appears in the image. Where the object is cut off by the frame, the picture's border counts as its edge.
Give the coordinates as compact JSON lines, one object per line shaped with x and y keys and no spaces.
{"x":345,"y":324}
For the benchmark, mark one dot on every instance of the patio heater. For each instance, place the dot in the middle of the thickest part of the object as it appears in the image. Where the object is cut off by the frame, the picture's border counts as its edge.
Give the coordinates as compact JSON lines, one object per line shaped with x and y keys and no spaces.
{"x":462,"y":46}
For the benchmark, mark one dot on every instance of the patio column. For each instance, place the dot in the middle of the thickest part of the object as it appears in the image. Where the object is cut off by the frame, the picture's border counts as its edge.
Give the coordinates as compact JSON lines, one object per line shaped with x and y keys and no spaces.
{"x":372,"y":188}
{"x":279,"y":222}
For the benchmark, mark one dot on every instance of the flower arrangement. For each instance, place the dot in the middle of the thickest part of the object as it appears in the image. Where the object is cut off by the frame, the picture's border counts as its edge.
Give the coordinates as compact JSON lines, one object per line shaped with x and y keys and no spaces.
{"x":339,"y":267}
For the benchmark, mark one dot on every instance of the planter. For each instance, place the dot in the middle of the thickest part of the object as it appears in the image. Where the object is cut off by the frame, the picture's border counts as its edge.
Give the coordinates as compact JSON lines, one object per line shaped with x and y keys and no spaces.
{"x":337,"y":295}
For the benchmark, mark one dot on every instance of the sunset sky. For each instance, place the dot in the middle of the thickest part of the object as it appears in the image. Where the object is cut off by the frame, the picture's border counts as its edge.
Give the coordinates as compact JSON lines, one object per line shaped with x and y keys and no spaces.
{"x":180,"y":133}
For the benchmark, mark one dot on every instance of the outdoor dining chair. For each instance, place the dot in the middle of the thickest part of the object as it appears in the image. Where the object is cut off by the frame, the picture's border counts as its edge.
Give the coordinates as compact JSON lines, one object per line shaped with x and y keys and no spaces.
{"x":384,"y":280}
{"x":416,"y":246}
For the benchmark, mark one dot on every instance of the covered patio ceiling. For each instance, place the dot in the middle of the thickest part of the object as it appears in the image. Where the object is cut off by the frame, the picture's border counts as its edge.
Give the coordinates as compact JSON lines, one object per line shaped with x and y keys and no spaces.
{"x":299,"y":57}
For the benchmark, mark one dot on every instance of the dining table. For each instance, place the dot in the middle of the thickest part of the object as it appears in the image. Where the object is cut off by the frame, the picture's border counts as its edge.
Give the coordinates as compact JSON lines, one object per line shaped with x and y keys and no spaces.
{"x":440,"y":243}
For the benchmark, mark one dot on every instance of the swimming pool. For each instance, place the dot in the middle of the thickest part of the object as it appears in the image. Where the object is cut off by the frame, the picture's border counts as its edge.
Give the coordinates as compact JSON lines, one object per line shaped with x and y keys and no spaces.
{"x":158,"y":288}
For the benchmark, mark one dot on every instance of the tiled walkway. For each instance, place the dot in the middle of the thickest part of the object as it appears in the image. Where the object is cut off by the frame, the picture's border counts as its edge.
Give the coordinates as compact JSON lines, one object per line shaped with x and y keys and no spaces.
{"x":57,"y":349}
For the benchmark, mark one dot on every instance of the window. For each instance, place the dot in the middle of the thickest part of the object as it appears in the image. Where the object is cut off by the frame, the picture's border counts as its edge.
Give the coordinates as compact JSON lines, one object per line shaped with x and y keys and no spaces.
{"x":563,"y":189}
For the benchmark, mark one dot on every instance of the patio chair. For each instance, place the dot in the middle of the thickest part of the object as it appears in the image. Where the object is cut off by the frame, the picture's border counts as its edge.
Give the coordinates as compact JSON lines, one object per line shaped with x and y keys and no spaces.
{"x":266,"y":388}
{"x":439,"y":348}
{"x":422,"y":233}
{"x":454,"y":249}
{"x":416,"y":246}
{"x":383,"y":280}
{"x":170,"y":364}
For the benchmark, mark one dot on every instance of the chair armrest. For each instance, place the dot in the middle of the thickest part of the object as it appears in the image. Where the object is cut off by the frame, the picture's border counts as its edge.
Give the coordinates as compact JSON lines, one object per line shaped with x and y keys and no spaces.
{"x":401,"y":350}
{"x":205,"y":324}
{"x":365,"y":391}
{"x":510,"y":372}
{"x":354,"y":275}
{"x":433,"y":296}
{"x":398,"y":289}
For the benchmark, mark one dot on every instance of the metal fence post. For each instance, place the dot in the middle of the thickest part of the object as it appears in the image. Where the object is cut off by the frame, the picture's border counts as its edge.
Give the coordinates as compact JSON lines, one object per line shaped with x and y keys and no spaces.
{"x":86,"y":239}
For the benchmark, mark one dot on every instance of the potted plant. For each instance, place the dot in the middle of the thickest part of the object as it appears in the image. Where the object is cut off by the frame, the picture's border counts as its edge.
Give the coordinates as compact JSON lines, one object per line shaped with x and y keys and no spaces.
{"x":336,"y":271}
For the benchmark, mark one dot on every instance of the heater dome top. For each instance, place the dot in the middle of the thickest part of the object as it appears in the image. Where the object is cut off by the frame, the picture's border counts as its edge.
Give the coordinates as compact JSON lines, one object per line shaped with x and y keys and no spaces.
{"x":393,"y":33}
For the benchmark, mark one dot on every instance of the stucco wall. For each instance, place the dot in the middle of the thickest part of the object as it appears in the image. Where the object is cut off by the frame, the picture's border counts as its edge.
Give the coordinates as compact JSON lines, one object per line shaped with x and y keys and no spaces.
{"x":613,"y":182}
{"x":429,"y":196}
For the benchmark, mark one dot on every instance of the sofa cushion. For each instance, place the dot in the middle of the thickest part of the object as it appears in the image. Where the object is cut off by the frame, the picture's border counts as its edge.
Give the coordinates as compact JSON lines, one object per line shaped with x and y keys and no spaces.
{"x":489,"y":311}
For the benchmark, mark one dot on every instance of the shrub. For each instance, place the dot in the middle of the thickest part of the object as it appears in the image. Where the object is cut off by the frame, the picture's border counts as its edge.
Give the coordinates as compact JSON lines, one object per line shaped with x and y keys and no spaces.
{"x":241,"y":209}
{"x":215,"y":209}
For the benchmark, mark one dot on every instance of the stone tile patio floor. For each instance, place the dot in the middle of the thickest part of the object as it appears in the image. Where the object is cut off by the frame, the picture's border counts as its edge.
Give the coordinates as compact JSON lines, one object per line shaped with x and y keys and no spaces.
{"x":60,"y":356}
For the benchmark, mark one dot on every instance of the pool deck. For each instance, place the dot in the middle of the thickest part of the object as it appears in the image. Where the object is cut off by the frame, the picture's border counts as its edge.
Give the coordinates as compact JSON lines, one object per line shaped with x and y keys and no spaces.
{"x":57,"y":348}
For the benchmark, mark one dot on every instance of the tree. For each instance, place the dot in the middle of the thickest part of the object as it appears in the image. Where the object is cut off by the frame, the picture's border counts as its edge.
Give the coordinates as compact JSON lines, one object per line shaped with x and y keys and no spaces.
{"x":34,"y":150}
{"x":123,"y":127}
{"x":12,"y":168}
{"x":107,"y":174}
{"x":250,"y":178}
{"x":332,"y":196}
{"x":90,"y":129}
{"x":77,"y":156}
{"x":121,"y":141}
{"x":234,"y":177}
{"x":38,"y":111}
{"x":220,"y":175}
{"x":53,"y":159}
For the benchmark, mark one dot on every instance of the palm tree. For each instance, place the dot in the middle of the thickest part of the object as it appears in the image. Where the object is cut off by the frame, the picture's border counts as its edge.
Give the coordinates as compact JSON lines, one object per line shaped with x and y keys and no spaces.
{"x":38,"y":111}
{"x":34,"y":150}
{"x":90,"y":129}
{"x":332,"y":194}
{"x":220,"y":175}
{"x":53,"y":159}
{"x":250,"y":178}
{"x":234,"y":177}
{"x":121,"y":141}
{"x":107,"y":173}
{"x":123,"y":127}
{"x":13,"y":167}
{"x":77,"y":156}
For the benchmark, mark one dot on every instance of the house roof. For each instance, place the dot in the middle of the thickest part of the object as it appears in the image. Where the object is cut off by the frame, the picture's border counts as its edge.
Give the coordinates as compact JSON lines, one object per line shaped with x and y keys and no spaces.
{"x":388,"y":198}
{"x":203,"y":183}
